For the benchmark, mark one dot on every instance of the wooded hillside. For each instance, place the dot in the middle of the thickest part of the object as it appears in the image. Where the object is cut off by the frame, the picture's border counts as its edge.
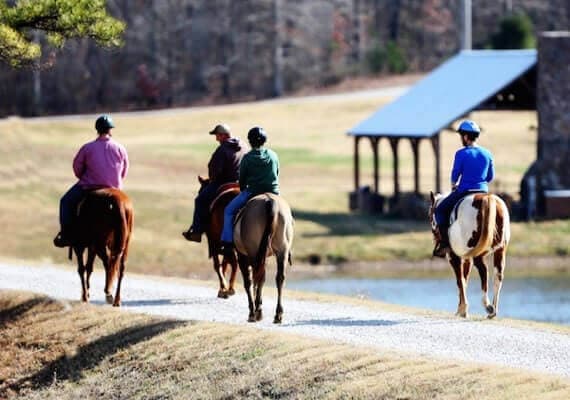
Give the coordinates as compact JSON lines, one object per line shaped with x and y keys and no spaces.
{"x":179,"y":52}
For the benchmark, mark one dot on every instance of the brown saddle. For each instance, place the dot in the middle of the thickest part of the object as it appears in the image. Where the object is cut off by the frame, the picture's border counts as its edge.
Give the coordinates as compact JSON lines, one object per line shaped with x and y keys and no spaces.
{"x":222,"y":191}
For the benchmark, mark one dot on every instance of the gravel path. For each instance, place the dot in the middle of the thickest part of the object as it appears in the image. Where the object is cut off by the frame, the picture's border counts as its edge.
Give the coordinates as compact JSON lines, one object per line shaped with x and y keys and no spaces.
{"x":487,"y":342}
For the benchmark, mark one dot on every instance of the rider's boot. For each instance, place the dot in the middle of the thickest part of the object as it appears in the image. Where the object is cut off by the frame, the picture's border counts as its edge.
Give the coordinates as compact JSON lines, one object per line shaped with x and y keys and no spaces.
{"x":61,"y":240}
{"x":227,"y":248}
{"x":192,"y":235}
{"x":442,"y":246}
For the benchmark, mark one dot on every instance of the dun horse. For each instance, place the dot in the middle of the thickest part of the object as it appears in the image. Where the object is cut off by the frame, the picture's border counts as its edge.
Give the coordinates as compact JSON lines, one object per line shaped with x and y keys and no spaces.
{"x":104,"y":225}
{"x":479,"y":225}
{"x":213,"y":232}
{"x":262,"y":229}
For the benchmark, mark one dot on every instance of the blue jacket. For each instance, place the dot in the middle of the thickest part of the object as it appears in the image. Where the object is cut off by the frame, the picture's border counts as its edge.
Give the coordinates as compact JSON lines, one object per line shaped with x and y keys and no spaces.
{"x":473,"y":168}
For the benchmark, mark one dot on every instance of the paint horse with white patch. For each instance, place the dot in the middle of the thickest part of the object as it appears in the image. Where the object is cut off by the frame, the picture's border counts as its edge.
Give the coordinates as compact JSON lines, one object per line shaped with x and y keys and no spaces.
{"x":479,"y":225}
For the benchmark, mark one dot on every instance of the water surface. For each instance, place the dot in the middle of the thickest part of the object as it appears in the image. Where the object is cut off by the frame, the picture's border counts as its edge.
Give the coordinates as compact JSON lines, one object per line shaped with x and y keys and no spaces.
{"x":538,"y":299}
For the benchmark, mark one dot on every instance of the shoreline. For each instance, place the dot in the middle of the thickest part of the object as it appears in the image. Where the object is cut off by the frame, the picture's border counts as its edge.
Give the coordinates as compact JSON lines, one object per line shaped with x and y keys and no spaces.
{"x":522,"y":267}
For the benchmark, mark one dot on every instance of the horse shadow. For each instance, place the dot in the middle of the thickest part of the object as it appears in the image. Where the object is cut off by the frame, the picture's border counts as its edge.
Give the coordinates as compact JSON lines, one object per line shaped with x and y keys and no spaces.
{"x":348,"y":224}
{"x":91,"y":354}
{"x":349,"y":322}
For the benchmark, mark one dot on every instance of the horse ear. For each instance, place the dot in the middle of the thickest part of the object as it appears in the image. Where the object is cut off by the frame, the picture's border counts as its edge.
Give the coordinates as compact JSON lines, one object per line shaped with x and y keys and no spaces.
{"x":200,"y":179}
{"x":432,"y":197}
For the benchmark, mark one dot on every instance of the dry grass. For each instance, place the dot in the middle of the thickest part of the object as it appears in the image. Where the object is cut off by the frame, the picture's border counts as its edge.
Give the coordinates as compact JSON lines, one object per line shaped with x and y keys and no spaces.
{"x":169,"y":149}
{"x":62,"y":350}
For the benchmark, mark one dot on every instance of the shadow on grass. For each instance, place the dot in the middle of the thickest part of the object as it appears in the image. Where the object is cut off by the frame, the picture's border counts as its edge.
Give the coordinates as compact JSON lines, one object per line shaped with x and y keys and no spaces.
{"x":14,"y":313}
{"x":347,"y":224}
{"x":90,"y":355}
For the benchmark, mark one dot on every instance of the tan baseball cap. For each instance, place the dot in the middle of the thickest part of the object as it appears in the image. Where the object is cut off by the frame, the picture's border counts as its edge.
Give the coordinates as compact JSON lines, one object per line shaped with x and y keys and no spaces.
{"x":221,"y":128}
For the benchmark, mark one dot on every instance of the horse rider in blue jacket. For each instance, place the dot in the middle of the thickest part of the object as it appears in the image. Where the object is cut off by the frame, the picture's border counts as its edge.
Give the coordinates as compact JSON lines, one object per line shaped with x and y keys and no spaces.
{"x":258,"y":173}
{"x":472,"y":171}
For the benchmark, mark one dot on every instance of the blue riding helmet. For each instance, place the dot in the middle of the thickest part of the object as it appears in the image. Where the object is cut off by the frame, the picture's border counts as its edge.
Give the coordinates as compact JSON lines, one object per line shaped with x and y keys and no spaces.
{"x":469,"y":127}
{"x":104,"y":123}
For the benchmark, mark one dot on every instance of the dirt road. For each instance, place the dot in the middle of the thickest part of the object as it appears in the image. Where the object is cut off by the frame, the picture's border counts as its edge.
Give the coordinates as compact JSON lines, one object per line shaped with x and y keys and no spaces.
{"x":473,"y":340}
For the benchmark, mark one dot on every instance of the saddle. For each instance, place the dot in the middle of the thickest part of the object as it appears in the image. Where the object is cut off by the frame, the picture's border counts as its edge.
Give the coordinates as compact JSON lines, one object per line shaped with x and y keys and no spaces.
{"x":222,"y":191}
{"x":455,"y":210}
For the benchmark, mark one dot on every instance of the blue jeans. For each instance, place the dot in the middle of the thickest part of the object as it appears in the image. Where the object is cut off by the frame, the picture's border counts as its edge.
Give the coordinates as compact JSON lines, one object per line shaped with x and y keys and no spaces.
{"x":230,"y":213}
{"x":202,"y":206}
{"x":68,"y":206}
{"x":443,"y":210}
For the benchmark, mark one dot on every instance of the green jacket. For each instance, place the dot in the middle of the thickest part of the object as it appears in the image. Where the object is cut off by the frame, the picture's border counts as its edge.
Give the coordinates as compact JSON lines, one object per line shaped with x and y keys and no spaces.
{"x":259,"y":172}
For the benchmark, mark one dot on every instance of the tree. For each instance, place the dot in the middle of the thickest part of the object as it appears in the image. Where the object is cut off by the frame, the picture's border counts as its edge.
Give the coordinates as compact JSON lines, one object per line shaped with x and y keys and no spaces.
{"x":515,"y":32}
{"x":59,"y":20}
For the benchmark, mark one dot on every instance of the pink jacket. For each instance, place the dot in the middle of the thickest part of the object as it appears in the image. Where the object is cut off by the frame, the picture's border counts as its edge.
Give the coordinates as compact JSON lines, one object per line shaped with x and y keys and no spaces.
{"x":101,"y":163}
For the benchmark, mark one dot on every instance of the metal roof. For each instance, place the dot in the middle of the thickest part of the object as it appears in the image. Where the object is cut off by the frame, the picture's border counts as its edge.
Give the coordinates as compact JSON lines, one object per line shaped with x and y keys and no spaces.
{"x":449,"y":92}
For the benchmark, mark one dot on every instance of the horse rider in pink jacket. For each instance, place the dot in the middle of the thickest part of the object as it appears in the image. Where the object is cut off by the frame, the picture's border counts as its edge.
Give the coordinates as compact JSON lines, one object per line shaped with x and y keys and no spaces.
{"x":100,"y":163}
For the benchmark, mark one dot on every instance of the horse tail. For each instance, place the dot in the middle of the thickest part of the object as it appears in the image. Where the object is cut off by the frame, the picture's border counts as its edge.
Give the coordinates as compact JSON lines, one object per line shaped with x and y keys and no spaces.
{"x":270,"y":224}
{"x":121,"y":226}
{"x":488,"y":226}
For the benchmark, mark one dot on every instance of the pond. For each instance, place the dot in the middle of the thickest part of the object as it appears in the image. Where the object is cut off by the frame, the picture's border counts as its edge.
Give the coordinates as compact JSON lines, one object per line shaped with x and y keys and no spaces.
{"x":538,"y":299}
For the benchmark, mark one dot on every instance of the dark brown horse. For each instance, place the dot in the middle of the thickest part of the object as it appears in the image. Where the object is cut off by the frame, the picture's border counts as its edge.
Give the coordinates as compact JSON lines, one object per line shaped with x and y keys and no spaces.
{"x":214,"y":231}
{"x":263,"y":228}
{"x":104,"y":226}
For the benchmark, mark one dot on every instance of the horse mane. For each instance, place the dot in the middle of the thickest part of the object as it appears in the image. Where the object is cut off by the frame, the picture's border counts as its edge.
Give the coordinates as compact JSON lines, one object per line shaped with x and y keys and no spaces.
{"x":488,"y":224}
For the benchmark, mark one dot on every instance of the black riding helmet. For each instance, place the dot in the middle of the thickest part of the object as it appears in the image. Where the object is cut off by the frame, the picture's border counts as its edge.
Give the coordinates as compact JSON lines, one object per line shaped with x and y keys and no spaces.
{"x":104,"y":123}
{"x":256,"y":136}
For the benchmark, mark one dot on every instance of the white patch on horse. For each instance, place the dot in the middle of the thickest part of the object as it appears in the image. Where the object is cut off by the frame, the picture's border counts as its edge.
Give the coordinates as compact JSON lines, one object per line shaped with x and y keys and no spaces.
{"x":464,"y":226}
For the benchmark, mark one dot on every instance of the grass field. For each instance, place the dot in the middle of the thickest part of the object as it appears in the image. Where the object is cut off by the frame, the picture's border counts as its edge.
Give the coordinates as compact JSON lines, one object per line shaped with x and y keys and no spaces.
{"x":67,"y":350}
{"x":168,"y":150}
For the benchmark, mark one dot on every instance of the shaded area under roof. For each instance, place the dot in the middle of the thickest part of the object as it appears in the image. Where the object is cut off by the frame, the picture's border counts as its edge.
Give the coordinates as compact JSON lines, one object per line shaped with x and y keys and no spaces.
{"x":450,"y":91}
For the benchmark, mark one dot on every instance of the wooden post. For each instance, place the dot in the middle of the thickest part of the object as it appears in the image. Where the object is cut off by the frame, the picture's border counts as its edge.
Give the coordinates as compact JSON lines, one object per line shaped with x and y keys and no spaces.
{"x":374,"y":141}
{"x":356,"y":164}
{"x":436,"y":152}
{"x":394,"y":144}
{"x":415,"y":147}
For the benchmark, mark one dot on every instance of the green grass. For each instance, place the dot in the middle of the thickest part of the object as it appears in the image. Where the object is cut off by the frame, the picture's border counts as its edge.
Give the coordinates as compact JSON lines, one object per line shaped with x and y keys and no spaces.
{"x":168,"y":151}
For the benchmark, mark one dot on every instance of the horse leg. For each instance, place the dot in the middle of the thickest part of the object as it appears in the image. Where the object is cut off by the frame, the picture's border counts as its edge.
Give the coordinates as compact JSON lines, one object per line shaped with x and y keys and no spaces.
{"x":233,"y":274}
{"x":247,"y":280}
{"x":102,"y":253}
{"x":89,"y":268}
{"x":117,"y":302}
{"x":222,"y":291}
{"x":81,"y":271}
{"x":483,"y":273}
{"x":457,"y":266}
{"x":279,"y":280}
{"x":499,"y":260}
{"x":259,"y":280}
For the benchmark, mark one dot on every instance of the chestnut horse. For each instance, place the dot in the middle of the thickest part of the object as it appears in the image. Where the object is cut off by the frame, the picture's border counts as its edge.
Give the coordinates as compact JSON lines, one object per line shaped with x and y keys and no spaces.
{"x":104,"y":226}
{"x":479,"y":225}
{"x":263,"y":228}
{"x":225,"y":194}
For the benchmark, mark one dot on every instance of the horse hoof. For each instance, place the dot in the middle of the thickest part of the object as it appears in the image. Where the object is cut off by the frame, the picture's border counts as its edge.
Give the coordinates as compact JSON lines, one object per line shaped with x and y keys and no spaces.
{"x":461,"y":314}
{"x":490,"y":309}
{"x":231,"y":292}
{"x":251,"y":319}
{"x":278,"y":319}
{"x":491,"y":315}
{"x":222,"y":294}
{"x":258,"y":315}
{"x":109,"y":298}
{"x":117,"y":304}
